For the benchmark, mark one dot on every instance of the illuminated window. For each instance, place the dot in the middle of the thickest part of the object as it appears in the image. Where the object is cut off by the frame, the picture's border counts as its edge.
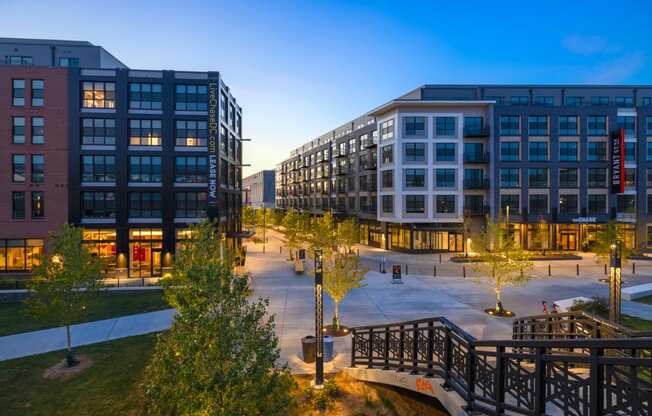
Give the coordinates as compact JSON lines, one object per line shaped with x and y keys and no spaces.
{"x":98,"y":94}
{"x":20,"y":255}
{"x":191,"y":133}
{"x":145,"y":132}
{"x":38,"y":204}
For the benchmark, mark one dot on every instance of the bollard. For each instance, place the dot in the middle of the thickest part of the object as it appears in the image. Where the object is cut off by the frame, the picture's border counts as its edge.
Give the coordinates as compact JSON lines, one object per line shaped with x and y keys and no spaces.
{"x":633,"y":268}
{"x":577,"y":271}
{"x":434,"y":271}
{"x":358,"y":252}
{"x":464,"y":272}
{"x":380,"y":267}
{"x":280,"y":249}
{"x":440,"y":259}
{"x":406,"y":269}
{"x":549,"y":271}
{"x":605,"y":269}
{"x":521,"y":272}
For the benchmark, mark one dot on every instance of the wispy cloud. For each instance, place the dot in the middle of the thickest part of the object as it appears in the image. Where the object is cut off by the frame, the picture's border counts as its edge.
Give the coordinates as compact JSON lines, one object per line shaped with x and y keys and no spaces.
{"x":617,"y":70}
{"x":588,"y":45}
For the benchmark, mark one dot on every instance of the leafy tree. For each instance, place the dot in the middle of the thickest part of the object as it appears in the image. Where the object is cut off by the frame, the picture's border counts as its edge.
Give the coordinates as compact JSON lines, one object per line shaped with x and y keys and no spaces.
{"x":220,"y":355}
{"x":264,"y":220}
{"x":65,"y":283}
{"x":277,"y":217}
{"x":610,"y":233}
{"x":348,"y":234}
{"x":342,"y":273}
{"x":501,"y":260}
{"x":248,"y":216}
{"x":291,"y":224}
{"x":323,"y":235}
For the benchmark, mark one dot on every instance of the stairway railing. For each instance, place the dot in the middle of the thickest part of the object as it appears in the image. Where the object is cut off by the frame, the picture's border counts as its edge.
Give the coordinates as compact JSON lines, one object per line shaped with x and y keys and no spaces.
{"x":521,"y":376}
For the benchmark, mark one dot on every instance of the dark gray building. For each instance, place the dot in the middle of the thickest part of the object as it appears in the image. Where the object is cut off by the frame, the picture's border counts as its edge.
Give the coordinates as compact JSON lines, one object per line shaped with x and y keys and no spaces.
{"x":420,"y":172}
{"x":47,"y":52}
{"x":259,"y":189}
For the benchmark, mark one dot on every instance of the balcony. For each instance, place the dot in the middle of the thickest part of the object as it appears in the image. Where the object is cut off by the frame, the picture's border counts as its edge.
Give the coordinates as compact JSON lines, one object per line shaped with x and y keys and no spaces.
{"x":475,"y":131}
{"x":476,"y":157}
{"x":369,"y":143}
{"x":482,"y":183}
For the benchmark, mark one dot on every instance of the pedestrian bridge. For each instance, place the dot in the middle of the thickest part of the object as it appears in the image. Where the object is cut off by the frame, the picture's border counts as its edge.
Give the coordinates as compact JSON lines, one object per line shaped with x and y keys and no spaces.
{"x":560,"y":364}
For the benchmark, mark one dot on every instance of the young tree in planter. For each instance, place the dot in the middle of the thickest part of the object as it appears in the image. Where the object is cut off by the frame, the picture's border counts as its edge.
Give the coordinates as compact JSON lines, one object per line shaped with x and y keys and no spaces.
{"x":323,"y":235}
{"x":501,"y":261}
{"x":220,"y":355}
{"x":610,"y":234}
{"x":64,"y":283}
{"x":342,"y":273}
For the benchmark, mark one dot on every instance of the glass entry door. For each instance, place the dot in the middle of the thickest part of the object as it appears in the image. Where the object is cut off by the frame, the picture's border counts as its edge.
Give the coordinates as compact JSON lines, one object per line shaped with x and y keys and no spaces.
{"x":568,"y":241}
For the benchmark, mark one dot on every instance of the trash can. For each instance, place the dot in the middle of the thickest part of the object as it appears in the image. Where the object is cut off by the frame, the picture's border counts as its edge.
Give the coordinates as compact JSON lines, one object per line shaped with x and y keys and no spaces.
{"x":328,"y":348}
{"x":308,"y":349}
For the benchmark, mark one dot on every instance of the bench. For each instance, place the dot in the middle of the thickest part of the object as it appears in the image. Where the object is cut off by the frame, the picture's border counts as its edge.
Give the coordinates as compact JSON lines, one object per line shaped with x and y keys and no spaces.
{"x":637,"y":292}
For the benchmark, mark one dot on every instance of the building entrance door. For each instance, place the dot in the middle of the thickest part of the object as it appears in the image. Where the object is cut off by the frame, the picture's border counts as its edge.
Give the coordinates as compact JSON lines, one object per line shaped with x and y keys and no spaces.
{"x":568,"y":241}
{"x":455,"y":242}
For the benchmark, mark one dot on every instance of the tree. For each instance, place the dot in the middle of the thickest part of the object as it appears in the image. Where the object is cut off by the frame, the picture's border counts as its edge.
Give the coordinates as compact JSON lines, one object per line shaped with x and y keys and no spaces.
{"x":342,"y":273}
{"x":610,"y":233}
{"x":292,"y":231}
{"x":220,"y":355}
{"x":65,"y":283}
{"x":277,"y":217}
{"x":348,"y":234}
{"x":248,"y":216}
{"x":500,"y":260}
{"x":323,"y":235}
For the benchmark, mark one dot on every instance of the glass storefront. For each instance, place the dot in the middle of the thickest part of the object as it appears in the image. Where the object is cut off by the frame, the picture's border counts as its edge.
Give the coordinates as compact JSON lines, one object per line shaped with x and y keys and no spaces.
{"x":145,"y":252}
{"x":566,"y":237}
{"x":20,"y":255}
{"x":102,"y":244}
{"x":425,"y":240}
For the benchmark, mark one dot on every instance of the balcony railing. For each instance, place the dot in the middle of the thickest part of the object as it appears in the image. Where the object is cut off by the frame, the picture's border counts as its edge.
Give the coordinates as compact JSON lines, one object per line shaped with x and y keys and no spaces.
{"x":476,"y":183}
{"x":482,"y":131}
{"x":476,"y":157}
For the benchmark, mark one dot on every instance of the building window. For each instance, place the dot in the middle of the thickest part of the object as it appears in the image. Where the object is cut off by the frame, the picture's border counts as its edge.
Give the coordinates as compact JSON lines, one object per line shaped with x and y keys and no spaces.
{"x":510,"y":125}
{"x":568,"y":125}
{"x":648,"y":125}
{"x":597,"y":125}
{"x":352,"y":146}
{"x":415,"y":178}
{"x":596,"y":151}
{"x":223,"y":106}
{"x":473,"y":126}
{"x":18,"y":60}
{"x":537,"y":125}
{"x":69,"y":62}
{"x":38,"y":204}
{"x":568,"y":204}
{"x":519,"y":100}
{"x":387,"y":130}
{"x":567,"y":151}
{"x":474,"y":204}
{"x":98,"y":205}
{"x":600,"y":100}
{"x":415,"y":126}
{"x":445,"y":126}
{"x":626,"y":203}
{"x":568,"y":177}
{"x":537,"y":177}
{"x":539,"y":204}
{"x":510,"y":178}
{"x":649,"y":212}
{"x":414,"y":152}
{"x":145,"y":169}
{"x":388,"y":204}
{"x":545,"y":100}
{"x":473,"y":152}
{"x":628,"y":123}
{"x":98,"y":168}
{"x":387,"y":154}
{"x":18,"y":129}
{"x":538,"y":151}
{"x":510,"y":151}
{"x":573,"y":101}
{"x":191,"y":98}
{"x":191,"y":133}
{"x":624,"y":102}
{"x":630,"y":177}
{"x":387,"y":179}
{"x":38,"y":130}
{"x":20,"y":255}
{"x":190,"y":204}
{"x":445,"y":178}
{"x":145,"y":132}
{"x":597,"y":177}
{"x":98,"y":94}
{"x":597,"y":203}
{"x":144,"y":205}
{"x":445,"y":152}
{"x":144,"y":96}
{"x":38,"y":171}
{"x":37,"y":93}
{"x":474,"y":179}
{"x":18,"y":92}
{"x":647,"y":101}
{"x":18,"y":168}
{"x":630,"y":151}
{"x":415,"y":204}
{"x":445,"y":204}
{"x":190,"y":169}
{"x":510,"y":200}
{"x":18,"y":205}
{"x":98,"y":131}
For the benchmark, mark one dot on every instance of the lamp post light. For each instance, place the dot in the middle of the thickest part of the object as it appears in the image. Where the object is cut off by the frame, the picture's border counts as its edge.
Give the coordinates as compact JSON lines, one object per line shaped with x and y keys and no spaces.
{"x":319,"y":320}
{"x":264,"y":227}
{"x":615,"y":283}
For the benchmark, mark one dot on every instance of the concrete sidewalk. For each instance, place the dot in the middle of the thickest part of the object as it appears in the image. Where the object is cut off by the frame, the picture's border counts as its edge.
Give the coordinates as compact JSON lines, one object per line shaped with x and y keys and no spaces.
{"x":54,"y":339}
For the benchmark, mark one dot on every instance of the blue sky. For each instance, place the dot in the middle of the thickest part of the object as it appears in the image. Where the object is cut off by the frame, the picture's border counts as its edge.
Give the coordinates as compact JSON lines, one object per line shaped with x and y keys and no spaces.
{"x":299,"y":69}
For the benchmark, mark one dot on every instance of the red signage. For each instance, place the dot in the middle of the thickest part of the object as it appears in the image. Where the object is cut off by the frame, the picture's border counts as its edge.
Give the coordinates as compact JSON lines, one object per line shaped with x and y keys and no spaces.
{"x":618,"y":161}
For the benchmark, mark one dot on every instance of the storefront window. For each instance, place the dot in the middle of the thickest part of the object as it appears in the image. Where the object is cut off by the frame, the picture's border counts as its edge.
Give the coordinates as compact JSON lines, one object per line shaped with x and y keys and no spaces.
{"x":101,"y":243}
{"x":145,"y":248}
{"x":538,"y":236}
{"x":20,"y":255}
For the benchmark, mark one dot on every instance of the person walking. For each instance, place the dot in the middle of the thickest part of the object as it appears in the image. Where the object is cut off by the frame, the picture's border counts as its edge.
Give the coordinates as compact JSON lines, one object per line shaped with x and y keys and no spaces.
{"x":544,"y":305}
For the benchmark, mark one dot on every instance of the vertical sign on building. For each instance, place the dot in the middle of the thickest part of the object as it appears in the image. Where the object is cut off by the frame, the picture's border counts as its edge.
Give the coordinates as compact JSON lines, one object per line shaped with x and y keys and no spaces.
{"x":213,"y":128}
{"x":618,"y":161}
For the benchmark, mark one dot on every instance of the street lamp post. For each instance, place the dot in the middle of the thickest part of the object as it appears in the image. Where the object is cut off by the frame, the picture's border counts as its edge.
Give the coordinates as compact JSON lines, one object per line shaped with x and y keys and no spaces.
{"x":615,"y":283}
{"x":264,"y":227}
{"x":319,"y":320}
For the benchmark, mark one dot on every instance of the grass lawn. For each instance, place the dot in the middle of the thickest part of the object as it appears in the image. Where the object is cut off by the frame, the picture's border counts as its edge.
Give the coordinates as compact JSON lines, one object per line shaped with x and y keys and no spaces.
{"x":108,"y":387}
{"x":636,"y":323}
{"x":647,"y":299}
{"x":15,"y":319}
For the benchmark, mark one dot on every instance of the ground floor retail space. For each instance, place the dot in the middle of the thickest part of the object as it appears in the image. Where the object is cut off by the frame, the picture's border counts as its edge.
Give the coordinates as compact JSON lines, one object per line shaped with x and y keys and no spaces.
{"x":566,"y":237}
{"x":414,"y":237}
